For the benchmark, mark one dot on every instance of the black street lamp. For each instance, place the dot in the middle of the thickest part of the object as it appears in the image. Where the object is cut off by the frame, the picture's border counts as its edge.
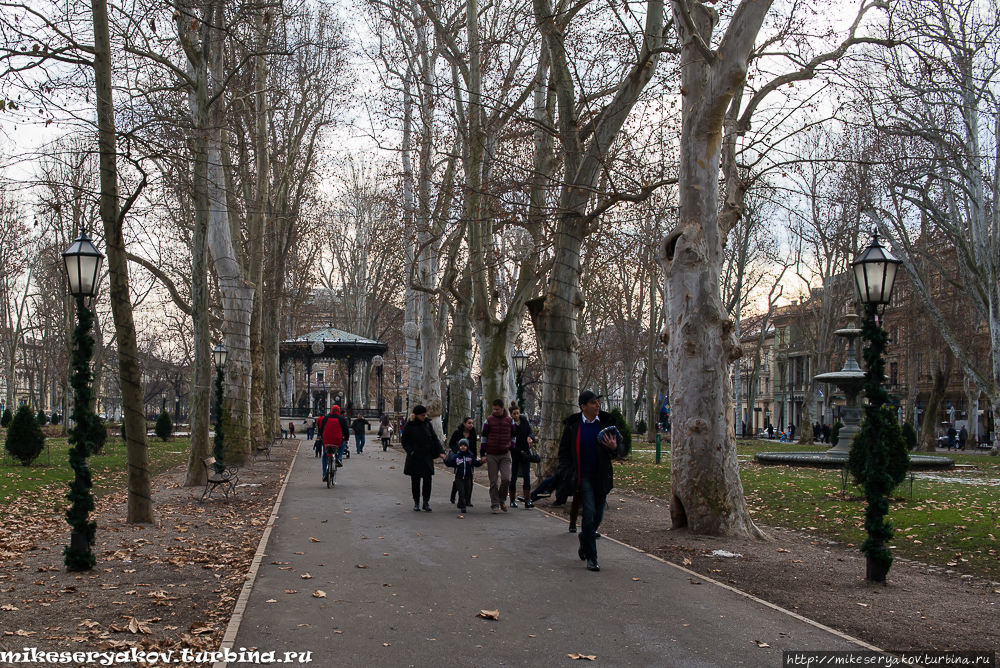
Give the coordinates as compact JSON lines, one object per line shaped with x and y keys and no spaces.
{"x":219,"y":356}
{"x":379,"y":372}
{"x":83,"y":267}
{"x":447,"y":402}
{"x":874,"y":277}
{"x":520,"y":363}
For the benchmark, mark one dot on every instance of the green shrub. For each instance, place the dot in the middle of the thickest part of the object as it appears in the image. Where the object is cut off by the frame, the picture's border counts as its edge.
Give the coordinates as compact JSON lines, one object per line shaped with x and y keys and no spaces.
{"x":835,"y":432}
{"x":164,"y":426}
{"x":623,"y":427}
{"x":98,"y":435}
{"x":909,"y":435}
{"x":56,"y":418}
{"x":7,"y":417}
{"x":897,"y":461}
{"x":42,"y":418}
{"x":640,"y":427}
{"x":25,"y":440}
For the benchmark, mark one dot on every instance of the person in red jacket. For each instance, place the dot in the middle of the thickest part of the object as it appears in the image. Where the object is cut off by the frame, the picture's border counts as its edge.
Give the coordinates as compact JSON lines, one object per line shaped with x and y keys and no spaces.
{"x":495,"y":444}
{"x":334,"y":429}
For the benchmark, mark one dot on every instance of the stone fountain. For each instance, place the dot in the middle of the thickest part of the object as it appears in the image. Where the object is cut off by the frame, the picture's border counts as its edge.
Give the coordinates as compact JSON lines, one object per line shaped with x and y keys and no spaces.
{"x":850,"y":380}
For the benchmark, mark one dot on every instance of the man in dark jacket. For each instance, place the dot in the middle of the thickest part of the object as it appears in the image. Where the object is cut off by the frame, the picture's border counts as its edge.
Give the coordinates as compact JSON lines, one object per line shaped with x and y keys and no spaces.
{"x":359,"y":426}
{"x":586,"y":470}
{"x":422,"y":447}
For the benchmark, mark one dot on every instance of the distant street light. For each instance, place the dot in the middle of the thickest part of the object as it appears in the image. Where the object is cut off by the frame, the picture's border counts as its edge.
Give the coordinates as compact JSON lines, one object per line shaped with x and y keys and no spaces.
{"x":219,"y":356}
{"x":520,"y":364}
{"x":875,"y":276}
{"x":83,"y":269}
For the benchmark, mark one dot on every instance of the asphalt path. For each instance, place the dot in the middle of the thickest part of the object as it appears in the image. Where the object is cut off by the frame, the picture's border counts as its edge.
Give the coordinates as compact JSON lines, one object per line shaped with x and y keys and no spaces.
{"x":404,"y":588}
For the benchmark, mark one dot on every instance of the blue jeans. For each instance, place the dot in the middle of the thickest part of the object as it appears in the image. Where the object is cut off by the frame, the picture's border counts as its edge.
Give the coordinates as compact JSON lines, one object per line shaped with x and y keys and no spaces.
{"x":592,"y":512}
{"x":522,"y":467}
{"x":359,"y":442}
{"x":545,"y":487}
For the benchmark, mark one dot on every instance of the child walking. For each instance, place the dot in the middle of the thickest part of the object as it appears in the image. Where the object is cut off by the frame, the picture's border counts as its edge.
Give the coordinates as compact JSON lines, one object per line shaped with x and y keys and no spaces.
{"x":464,"y":463}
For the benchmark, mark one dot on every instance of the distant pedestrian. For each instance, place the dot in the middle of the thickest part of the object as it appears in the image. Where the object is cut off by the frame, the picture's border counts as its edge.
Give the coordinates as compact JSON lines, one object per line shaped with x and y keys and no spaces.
{"x":466,"y":431}
{"x":951,"y":437}
{"x":963,"y":438}
{"x":291,"y":430}
{"x":496,"y":439}
{"x":464,"y":463}
{"x":770,"y":431}
{"x":359,"y":426}
{"x":586,"y":461}
{"x":385,"y":432}
{"x":817,"y":433}
{"x":422,"y":448}
{"x":524,"y":438}
{"x":791,"y":432}
{"x":826,"y":432}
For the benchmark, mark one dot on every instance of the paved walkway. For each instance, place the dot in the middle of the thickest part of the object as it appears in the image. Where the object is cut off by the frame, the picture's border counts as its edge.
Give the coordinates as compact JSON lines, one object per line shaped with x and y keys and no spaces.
{"x":404,"y":588}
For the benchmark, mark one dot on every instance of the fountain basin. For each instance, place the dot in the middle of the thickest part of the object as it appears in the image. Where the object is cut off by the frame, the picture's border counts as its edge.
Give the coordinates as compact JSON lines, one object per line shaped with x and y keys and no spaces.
{"x":836,"y":460}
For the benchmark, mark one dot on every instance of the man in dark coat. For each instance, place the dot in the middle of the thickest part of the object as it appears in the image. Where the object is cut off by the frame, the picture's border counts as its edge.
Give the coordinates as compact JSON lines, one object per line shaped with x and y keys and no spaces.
{"x":422,"y":447}
{"x":359,"y":426}
{"x":585,"y":468}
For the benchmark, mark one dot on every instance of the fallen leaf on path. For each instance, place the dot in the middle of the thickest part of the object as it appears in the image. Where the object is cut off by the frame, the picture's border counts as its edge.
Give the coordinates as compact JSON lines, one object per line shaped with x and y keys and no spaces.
{"x":312,"y":540}
{"x":781,"y":549}
{"x":385,"y":644}
{"x":135,"y":626}
{"x":291,"y":591}
{"x":863,"y":605}
{"x":7,"y":606}
{"x":588,"y":657}
{"x":198,"y":630}
{"x":360,"y":566}
{"x":319,"y":593}
{"x":298,"y":552}
{"x":271,"y":600}
{"x":694,"y":582}
{"x":324,"y":521}
{"x":686,"y":562}
{"x":489,"y":614}
{"x":306,"y":576}
{"x":761,"y":644}
{"x":305,"y":624}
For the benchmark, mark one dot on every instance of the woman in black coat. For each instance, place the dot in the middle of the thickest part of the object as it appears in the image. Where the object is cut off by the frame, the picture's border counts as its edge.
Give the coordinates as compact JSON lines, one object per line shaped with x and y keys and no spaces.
{"x":422,"y":447}
{"x":466,"y":430}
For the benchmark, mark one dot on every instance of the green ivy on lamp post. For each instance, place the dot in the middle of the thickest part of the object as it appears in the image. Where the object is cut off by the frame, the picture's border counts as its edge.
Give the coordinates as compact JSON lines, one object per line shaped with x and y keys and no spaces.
{"x":83,"y":266}
{"x":219,"y":356}
{"x":874,"y":276}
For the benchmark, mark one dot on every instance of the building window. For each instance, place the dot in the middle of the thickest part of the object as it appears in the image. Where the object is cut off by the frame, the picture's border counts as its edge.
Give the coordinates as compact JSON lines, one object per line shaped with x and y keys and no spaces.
{"x":894,"y":373}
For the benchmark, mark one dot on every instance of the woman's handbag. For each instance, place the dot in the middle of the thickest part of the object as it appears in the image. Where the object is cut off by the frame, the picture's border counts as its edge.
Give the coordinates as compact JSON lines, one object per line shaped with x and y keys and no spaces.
{"x":531,"y":455}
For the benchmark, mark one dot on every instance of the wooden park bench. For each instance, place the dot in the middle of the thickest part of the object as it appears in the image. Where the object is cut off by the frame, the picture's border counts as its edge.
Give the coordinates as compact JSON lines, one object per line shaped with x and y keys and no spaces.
{"x":226,"y":478}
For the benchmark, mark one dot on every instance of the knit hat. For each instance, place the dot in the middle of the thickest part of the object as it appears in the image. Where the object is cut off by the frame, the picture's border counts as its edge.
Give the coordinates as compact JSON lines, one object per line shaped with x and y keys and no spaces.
{"x":463,"y":441}
{"x":336,"y":408}
{"x":419,"y":409}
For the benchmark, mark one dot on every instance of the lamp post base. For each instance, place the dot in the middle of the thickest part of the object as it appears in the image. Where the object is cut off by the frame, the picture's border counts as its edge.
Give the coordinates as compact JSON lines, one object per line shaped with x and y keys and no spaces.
{"x":876,"y":572}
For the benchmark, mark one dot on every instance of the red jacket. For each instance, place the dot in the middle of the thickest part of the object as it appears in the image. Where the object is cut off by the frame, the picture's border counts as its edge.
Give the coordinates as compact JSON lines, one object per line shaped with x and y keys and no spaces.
{"x":334,"y":429}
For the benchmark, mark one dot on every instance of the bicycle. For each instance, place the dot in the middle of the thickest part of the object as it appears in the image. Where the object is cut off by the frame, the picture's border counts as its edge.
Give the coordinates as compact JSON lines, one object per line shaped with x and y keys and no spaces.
{"x":331,"y":466}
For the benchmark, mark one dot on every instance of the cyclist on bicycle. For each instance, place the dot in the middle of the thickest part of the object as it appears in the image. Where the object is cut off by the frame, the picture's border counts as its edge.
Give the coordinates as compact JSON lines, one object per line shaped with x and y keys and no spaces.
{"x":335,"y":431}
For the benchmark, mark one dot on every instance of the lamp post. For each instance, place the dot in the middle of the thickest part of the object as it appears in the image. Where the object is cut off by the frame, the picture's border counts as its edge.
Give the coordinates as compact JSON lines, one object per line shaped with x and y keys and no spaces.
{"x":520,"y":362}
{"x":219,"y":356}
{"x":379,"y":371}
{"x":447,"y":402}
{"x":874,"y":277}
{"x":83,"y":267}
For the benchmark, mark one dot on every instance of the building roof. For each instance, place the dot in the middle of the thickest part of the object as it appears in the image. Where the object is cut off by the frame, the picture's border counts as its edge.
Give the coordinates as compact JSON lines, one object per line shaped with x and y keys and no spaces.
{"x":331,"y":343}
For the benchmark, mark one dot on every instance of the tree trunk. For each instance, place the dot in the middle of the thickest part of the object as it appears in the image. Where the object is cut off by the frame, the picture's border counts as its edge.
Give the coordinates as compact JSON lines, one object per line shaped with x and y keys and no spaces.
{"x":942,"y":377}
{"x":140,"y":502}
{"x":256,"y":231}
{"x":706,"y":491}
{"x":651,"y":395}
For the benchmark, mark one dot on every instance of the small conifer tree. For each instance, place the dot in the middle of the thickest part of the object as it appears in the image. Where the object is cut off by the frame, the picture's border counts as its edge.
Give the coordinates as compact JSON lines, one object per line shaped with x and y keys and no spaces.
{"x":164,"y":426}
{"x":42,"y":418}
{"x":25,"y":440}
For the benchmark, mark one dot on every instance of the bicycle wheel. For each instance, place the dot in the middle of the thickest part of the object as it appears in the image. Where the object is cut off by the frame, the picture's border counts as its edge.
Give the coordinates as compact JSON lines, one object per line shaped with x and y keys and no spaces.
{"x":332,"y":478}
{"x":331,"y":470}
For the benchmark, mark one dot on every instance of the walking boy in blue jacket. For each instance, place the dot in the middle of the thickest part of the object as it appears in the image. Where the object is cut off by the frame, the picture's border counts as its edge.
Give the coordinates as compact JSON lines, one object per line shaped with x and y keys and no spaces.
{"x":464,"y":463}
